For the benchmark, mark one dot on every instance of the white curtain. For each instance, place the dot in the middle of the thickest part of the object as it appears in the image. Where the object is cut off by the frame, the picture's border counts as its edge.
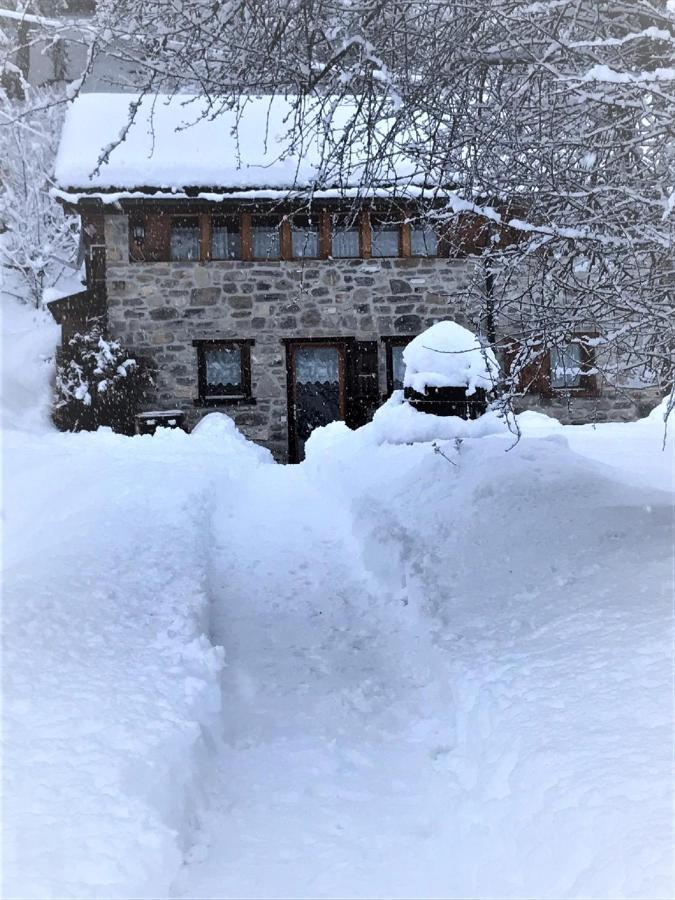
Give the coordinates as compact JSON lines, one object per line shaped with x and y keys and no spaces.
{"x":316,"y":364}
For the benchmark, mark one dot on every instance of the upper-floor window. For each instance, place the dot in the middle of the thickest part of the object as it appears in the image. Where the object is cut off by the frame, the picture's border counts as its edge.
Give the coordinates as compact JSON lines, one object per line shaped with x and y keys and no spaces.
{"x":305,"y":237}
{"x":423,"y":240}
{"x":345,"y":238}
{"x":185,"y":238}
{"x":265,"y":238}
{"x":386,"y":236}
{"x":225,"y":238}
{"x":160,"y":232}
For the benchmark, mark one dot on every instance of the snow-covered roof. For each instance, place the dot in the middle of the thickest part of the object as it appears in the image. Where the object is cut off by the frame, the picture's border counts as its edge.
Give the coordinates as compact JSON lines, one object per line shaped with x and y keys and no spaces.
{"x":448,"y":355}
{"x":177,"y":143}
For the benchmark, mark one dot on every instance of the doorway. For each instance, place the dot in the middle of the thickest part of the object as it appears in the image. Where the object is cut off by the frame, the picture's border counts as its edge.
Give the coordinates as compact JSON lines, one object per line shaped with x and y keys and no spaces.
{"x":316,"y":388}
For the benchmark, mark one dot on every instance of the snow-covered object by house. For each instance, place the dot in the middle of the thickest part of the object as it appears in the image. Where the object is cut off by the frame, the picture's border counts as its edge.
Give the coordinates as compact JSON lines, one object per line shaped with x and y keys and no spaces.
{"x":449,"y":355}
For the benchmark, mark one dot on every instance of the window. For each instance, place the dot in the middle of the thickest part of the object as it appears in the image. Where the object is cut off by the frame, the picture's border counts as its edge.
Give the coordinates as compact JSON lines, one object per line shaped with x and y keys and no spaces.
{"x":185,"y":238}
{"x":136,"y":238}
{"x":385,"y":237}
{"x":566,"y":366}
{"x":223,"y":371}
{"x":397,"y":367}
{"x":225,"y":238}
{"x":395,"y":364}
{"x":345,"y":242}
{"x":305,"y":238}
{"x":265,"y":238}
{"x":423,"y":240}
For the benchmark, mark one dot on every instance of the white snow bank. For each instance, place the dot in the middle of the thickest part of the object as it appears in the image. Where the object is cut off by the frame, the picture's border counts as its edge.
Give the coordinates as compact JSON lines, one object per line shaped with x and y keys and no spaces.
{"x":111,"y":685}
{"x":448,"y":355}
{"x":518,"y":605}
{"x":28,"y":344}
{"x":660,"y":411}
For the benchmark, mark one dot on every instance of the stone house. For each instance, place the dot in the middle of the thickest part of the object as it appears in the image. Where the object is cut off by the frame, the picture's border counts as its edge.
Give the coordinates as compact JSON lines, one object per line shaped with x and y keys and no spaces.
{"x":209,"y":252}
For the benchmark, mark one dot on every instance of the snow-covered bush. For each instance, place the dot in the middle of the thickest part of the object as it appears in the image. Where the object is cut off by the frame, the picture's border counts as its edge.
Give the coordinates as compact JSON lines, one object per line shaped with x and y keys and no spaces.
{"x":98,"y":383}
{"x":40,"y":241}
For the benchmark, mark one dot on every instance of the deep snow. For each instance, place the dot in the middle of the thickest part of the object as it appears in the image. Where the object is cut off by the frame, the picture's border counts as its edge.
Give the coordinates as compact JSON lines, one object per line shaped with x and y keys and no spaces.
{"x":444,"y":675}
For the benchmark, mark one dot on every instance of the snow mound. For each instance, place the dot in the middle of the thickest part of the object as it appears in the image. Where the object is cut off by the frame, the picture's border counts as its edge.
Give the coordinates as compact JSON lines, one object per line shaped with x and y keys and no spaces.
{"x":397,"y":422}
{"x":219,"y":430}
{"x":111,"y":685}
{"x":29,"y":340}
{"x":660,"y":412}
{"x":448,"y":355}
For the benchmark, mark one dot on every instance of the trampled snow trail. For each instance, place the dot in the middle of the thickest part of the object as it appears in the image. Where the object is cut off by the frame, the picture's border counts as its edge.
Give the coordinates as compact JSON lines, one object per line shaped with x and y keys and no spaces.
{"x":518,"y":747}
{"x":307,"y":691}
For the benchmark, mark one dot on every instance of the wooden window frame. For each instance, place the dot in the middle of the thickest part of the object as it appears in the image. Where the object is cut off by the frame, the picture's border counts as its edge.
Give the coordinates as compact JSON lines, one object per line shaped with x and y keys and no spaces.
{"x":199,"y":224}
{"x":244,"y":345}
{"x":320,"y":225}
{"x":283,"y":230}
{"x":400,"y":227}
{"x":390,"y":341}
{"x":157,"y":223}
{"x":233,"y":217}
{"x":439,"y":246}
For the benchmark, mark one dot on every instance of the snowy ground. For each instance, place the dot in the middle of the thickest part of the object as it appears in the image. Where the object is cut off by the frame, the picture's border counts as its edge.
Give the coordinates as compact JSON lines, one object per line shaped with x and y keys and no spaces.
{"x":443,"y":677}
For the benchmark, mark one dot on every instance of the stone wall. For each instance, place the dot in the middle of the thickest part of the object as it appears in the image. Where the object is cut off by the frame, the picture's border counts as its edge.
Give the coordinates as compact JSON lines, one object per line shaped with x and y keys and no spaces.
{"x":159,"y":309}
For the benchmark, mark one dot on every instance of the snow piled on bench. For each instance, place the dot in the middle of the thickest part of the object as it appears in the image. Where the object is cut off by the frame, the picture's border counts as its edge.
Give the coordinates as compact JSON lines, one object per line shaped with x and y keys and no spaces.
{"x":449,"y":355}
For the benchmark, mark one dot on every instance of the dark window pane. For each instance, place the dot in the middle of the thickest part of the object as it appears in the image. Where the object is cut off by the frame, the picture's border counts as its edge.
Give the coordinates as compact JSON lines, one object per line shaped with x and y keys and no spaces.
{"x":185,"y":239}
{"x":397,"y":366}
{"x":305,"y":234}
{"x":265,"y":239}
{"x":345,"y":239}
{"x":566,"y":366}
{"x":423,"y":241}
{"x":226,"y":241}
{"x":384,"y":238}
{"x":223,"y":370}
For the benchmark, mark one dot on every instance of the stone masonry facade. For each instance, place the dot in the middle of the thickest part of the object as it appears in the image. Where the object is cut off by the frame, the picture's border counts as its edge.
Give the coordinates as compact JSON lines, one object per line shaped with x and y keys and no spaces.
{"x":158,"y":309}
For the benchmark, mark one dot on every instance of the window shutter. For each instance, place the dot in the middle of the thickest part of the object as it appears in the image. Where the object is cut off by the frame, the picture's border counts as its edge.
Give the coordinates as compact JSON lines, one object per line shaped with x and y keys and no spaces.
{"x":362,"y":388}
{"x":158,"y":237}
{"x":535,"y":377}
{"x":588,"y":382}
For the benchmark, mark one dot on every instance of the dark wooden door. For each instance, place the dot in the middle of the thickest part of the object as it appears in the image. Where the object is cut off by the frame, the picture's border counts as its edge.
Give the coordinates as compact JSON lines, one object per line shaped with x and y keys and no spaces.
{"x":362,"y":388}
{"x":316,"y":390}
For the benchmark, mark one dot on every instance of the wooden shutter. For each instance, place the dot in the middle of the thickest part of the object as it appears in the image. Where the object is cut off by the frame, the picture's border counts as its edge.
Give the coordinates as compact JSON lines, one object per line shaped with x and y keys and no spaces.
{"x":535,"y":377}
{"x":158,"y":237}
{"x":588,"y":382}
{"x":362,"y":383}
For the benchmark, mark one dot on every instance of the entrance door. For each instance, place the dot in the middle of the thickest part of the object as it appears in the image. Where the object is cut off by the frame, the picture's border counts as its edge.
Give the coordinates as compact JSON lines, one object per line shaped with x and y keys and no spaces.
{"x":316,"y":390}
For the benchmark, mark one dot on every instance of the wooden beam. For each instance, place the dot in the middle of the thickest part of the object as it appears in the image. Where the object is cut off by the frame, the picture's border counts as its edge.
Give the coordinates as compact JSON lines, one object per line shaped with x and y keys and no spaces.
{"x":405,"y":240}
{"x":285,"y":238}
{"x":325,"y":238}
{"x":365,"y":234}
{"x":205,"y":247}
{"x":246,"y":236}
